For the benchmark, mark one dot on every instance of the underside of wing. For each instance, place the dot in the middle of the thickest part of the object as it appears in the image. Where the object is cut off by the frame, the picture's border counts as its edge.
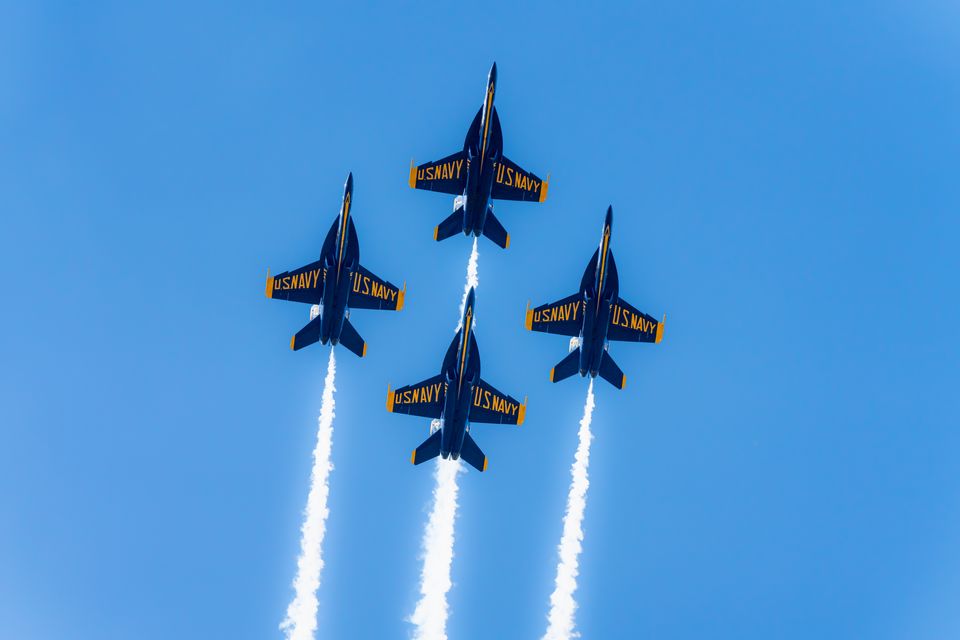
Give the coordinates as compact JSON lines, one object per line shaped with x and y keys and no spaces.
{"x":368,"y":291}
{"x":563,"y":317}
{"x":628,"y":324}
{"x":511,"y":182}
{"x":299,"y":285}
{"x":447,"y":175}
{"x":424,"y":399}
{"x":495,"y":407}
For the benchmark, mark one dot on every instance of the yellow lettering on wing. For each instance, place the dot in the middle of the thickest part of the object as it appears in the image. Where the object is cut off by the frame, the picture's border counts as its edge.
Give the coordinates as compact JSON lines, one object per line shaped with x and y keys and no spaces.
{"x":486,"y":399}
{"x":425,"y":394}
{"x":628,"y":320}
{"x":559,"y":313}
{"x":304,"y":280}
{"x":450,"y":170}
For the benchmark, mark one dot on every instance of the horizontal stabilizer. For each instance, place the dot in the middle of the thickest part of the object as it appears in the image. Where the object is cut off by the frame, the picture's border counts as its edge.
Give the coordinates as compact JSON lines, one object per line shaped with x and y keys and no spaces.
{"x":472,"y":453}
{"x":495,"y":231}
{"x":351,"y":339}
{"x":306,"y":336}
{"x":451,"y":226}
{"x":610,"y":372}
{"x":566,"y":367}
{"x":429,"y":450}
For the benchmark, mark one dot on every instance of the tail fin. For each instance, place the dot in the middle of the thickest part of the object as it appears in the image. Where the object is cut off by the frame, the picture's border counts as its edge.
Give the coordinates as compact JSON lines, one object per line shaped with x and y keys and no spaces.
{"x":610,"y":372}
{"x":351,"y":339}
{"x":306,"y":336}
{"x":495,"y":231}
{"x":429,"y":450}
{"x":566,"y":367}
{"x":472,"y":454}
{"x":451,"y":226}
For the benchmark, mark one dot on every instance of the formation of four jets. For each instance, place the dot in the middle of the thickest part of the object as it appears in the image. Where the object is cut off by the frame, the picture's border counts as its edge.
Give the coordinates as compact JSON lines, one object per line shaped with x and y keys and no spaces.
{"x":458,"y":396}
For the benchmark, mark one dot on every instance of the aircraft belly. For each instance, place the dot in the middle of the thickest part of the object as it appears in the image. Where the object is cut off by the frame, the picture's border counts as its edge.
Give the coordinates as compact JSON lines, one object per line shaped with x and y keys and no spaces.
{"x":457,"y":406}
{"x":478,"y":199}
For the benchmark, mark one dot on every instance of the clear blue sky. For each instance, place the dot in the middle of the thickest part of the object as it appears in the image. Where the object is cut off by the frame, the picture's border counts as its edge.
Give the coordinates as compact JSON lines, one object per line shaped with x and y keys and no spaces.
{"x":784,"y":181}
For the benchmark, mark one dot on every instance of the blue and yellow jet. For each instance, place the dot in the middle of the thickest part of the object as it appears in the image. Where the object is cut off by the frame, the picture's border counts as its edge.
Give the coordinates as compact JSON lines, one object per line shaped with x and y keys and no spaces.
{"x":457,"y":397}
{"x":593,"y":317}
{"x":337,"y":283}
{"x":478,"y":174}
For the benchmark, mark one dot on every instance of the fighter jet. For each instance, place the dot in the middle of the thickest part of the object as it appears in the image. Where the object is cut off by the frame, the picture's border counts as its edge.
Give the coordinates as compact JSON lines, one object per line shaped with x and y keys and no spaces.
{"x":455,"y":398}
{"x":335,"y":284}
{"x":594,"y":316}
{"x":478,"y":174}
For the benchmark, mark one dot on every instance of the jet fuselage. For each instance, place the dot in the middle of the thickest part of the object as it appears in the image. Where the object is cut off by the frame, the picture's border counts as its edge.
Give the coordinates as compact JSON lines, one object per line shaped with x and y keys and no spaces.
{"x":339,"y":262}
{"x":599,"y":292}
{"x":482,"y":151}
{"x":461,"y":372}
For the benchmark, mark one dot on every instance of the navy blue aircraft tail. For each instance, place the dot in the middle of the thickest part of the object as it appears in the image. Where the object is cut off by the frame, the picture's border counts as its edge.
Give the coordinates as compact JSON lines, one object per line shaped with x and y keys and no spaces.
{"x":593,"y":317}
{"x":456,"y":398}
{"x":478,"y":174}
{"x":335,"y":284}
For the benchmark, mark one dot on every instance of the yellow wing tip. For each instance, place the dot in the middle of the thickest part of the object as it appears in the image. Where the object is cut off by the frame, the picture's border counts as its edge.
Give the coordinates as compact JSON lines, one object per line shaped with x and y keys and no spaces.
{"x":413,"y":175}
{"x":551,"y":374}
{"x":507,"y":244}
{"x":528,"y":322}
{"x":544,"y":187}
{"x":269,"y":290}
{"x":413,"y":457}
{"x":400,"y":296}
{"x":660,"y":327}
{"x":436,"y":231}
{"x":522,"y":414}
{"x":293,"y":342}
{"x":364,"y":353}
{"x":390,"y":395}
{"x":623,"y":382}
{"x":485,"y":461}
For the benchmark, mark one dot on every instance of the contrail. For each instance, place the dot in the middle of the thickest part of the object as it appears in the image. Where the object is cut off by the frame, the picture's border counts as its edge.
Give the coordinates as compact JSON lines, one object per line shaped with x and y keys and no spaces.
{"x":562,"y":605}
{"x":473,"y":280}
{"x":301,"y":620}
{"x":430,"y":614}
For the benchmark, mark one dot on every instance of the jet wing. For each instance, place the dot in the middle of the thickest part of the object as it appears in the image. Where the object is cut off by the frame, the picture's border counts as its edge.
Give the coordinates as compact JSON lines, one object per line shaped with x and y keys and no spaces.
{"x":370,"y":292}
{"x":300,"y":285}
{"x":627,"y":324}
{"x":511,"y":182}
{"x":423,"y":399}
{"x":447,"y":175}
{"x":495,"y":407}
{"x":563,"y":317}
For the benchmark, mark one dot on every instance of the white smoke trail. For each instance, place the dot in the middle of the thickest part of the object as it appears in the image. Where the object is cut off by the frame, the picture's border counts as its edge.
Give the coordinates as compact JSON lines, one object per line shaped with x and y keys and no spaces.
{"x":301,"y":620}
{"x":430,"y":614}
{"x":473,"y":279}
{"x":562,"y":605}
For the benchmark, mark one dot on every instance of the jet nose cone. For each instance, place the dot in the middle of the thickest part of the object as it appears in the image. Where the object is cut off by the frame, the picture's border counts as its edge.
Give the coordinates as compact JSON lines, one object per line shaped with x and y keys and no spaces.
{"x":493,"y":74}
{"x":608,"y":220}
{"x":348,"y":186}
